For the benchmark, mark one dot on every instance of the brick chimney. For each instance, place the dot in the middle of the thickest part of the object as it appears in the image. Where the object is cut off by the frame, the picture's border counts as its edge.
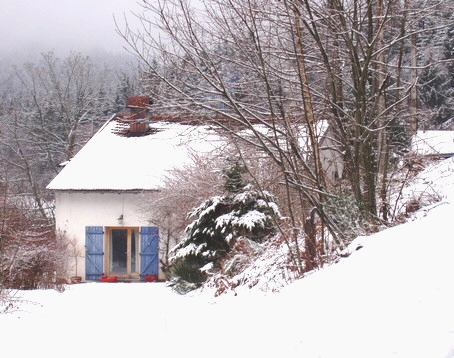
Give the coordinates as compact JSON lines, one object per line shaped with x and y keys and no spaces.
{"x":138,"y":117}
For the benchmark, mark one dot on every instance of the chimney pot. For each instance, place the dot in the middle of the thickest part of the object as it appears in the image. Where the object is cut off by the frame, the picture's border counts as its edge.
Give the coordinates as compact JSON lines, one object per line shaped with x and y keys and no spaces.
{"x":138,"y":102}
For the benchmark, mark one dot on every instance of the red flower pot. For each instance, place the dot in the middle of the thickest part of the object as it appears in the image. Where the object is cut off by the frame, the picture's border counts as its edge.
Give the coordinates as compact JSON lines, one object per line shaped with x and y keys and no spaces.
{"x":151,"y":278}
{"x":108,"y":279}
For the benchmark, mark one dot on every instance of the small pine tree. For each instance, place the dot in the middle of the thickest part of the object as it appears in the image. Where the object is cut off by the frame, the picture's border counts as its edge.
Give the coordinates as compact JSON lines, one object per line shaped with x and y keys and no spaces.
{"x":435,"y":92}
{"x":233,"y":176}
{"x":218,"y":222}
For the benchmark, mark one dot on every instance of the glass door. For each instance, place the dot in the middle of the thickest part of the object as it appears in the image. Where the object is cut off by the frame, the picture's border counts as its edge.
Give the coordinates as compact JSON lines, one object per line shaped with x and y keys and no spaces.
{"x":123,"y":252}
{"x":118,"y":251}
{"x":133,"y":256}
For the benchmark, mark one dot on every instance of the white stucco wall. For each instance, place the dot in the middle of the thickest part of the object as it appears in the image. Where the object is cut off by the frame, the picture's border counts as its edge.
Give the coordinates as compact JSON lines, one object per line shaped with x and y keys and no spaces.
{"x":75,"y":210}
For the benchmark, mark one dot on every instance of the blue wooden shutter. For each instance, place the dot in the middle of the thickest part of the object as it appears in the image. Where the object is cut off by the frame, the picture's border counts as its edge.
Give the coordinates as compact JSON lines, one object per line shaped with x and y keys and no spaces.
{"x":149,"y":258}
{"x":94,"y":252}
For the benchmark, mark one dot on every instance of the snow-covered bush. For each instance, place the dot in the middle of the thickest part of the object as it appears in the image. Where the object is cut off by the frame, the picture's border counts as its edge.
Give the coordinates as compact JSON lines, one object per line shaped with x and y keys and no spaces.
{"x":217,"y":224}
{"x":184,"y":188}
{"x":345,"y":212}
{"x":187,"y":275}
{"x":32,"y":255}
{"x":31,"y":263}
{"x":265,"y":266}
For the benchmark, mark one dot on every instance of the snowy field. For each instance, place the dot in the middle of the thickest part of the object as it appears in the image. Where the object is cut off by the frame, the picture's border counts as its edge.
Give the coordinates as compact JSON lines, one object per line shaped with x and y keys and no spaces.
{"x":393,"y":297}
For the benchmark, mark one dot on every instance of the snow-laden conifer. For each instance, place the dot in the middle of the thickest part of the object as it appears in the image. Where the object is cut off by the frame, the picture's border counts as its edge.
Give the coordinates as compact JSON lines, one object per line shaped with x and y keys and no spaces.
{"x":218,"y":222}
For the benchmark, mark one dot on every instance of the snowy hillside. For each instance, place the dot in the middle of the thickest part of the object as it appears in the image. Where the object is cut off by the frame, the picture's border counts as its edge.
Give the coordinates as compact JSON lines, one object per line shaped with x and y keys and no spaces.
{"x":392,"y":297}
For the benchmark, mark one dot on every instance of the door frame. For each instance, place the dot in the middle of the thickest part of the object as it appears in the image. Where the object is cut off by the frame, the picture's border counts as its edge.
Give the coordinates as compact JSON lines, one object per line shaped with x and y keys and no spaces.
{"x":107,"y":259}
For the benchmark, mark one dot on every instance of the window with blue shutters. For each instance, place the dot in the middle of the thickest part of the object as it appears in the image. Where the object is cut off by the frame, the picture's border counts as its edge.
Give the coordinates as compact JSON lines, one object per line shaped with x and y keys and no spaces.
{"x":149,"y":251}
{"x":94,"y":255}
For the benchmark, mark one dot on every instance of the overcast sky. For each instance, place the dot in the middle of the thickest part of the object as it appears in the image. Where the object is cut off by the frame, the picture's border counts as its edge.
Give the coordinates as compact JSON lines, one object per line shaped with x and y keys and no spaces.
{"x":62,"y":25}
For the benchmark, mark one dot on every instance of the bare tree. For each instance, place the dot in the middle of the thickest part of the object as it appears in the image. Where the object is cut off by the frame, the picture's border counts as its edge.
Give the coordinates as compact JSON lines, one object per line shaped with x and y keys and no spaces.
{"x":52,"y":108}
{"x":276,"y":75}
{"x":31,"y":254}
{"x":184,"y":188}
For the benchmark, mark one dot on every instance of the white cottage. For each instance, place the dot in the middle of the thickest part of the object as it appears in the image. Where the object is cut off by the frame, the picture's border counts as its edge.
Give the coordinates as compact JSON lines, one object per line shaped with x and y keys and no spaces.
{"x":98,"y":193}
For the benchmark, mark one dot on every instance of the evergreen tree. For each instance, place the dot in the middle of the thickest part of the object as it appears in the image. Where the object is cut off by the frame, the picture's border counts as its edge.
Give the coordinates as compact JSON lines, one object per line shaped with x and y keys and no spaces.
{"x":435,"y":92}
{"x":218,"y":222}
{"x":436,"y":80}
{"x":449,"y":56}
{"x":233,"y":176}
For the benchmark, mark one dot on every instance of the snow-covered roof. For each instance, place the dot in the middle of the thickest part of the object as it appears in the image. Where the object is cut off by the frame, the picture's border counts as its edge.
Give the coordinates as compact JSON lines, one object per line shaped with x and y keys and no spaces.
{"x":433,"y":143}
{"x":113,"y":162}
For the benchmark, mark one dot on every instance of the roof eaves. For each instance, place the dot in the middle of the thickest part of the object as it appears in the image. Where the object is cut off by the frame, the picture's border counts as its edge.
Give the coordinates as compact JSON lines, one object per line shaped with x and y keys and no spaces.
{"x":106,"y":191}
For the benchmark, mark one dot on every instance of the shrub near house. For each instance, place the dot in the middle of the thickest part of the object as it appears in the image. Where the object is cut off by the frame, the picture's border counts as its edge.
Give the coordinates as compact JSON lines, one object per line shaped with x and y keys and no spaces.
{"x":219,"y":222}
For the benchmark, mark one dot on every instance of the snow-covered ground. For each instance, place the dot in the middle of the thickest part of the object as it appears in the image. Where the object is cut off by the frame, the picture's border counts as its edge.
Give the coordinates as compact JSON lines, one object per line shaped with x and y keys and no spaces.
{"x":392,"y":297}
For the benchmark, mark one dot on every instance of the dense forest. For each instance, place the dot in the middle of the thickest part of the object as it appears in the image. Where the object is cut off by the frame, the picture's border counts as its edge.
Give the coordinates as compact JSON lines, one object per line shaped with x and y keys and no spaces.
{"x":358,"y":78}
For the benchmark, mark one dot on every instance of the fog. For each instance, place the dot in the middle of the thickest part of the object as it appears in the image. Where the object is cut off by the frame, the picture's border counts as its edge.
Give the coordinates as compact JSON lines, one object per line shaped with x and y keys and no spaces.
{"x":31,"y":27}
